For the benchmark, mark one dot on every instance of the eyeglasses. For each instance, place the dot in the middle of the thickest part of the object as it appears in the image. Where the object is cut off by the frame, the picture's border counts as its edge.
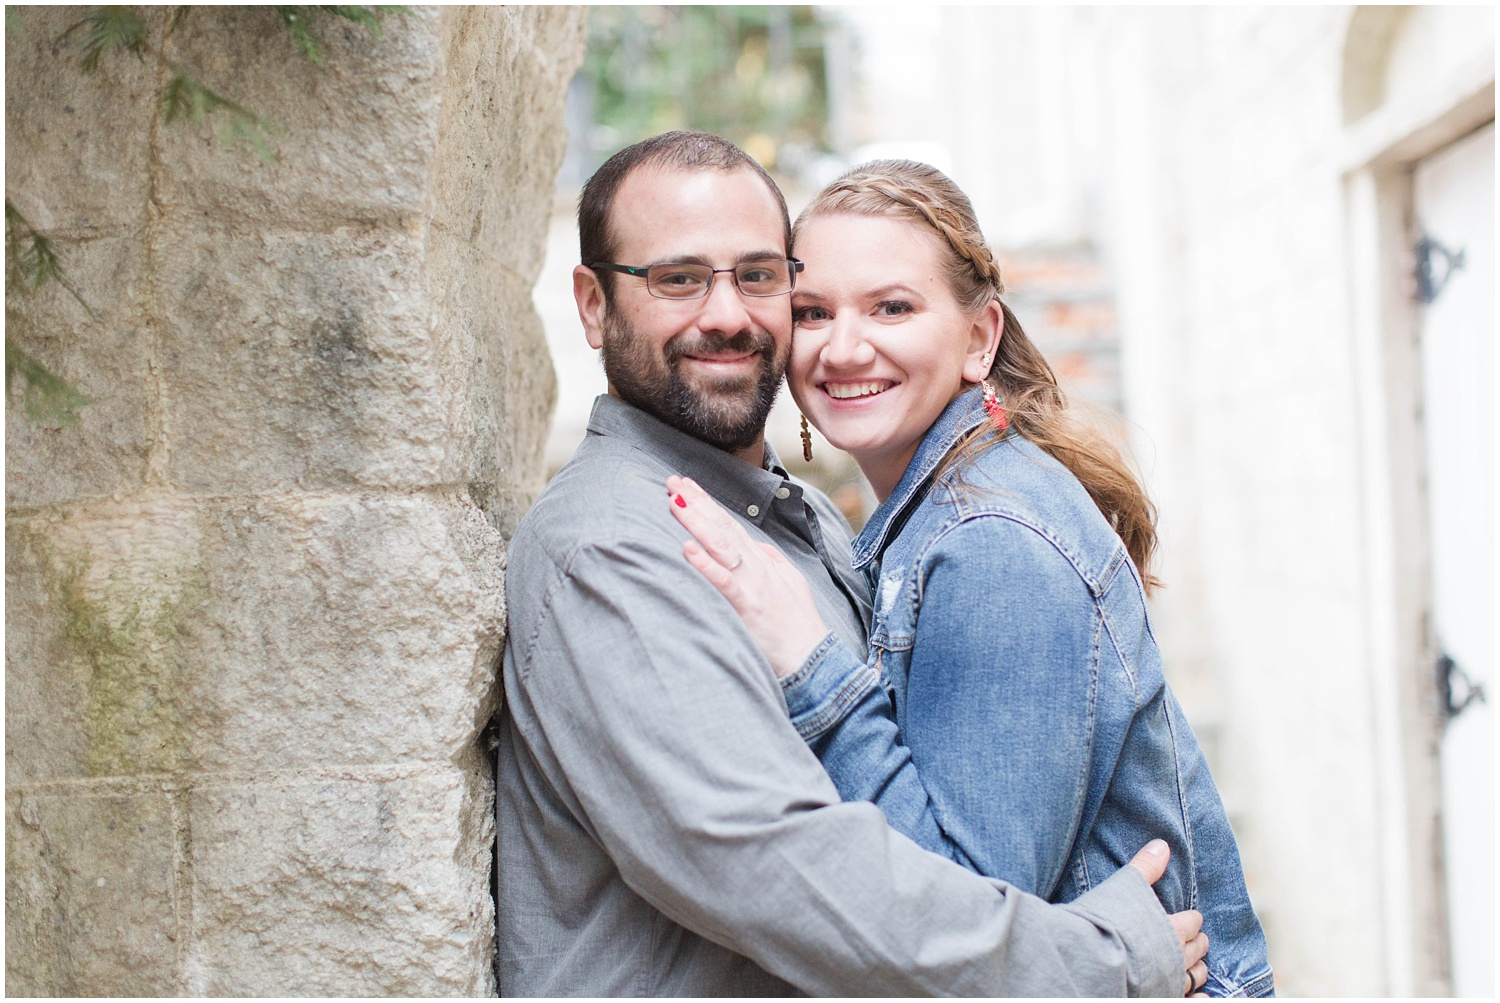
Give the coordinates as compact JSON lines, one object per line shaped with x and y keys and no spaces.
{"x":768,"y":277}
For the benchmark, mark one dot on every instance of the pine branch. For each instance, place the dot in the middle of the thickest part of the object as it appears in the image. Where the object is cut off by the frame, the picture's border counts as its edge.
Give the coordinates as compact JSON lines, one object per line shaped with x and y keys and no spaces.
{"x":184,"y":97}
{"x":30,"y":261}
{"x":110,"y":28}
{"x":45,"y":397}
{"x":359,"y":15}
{"x":299,"y":21}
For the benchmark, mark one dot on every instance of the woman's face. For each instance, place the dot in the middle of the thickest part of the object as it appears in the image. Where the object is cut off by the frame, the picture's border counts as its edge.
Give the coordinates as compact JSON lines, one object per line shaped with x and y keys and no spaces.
{"x":880,"y":345}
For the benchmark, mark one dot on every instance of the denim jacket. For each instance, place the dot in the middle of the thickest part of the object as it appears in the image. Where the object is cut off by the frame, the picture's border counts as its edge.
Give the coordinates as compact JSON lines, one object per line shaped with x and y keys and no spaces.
{"x":1012,"y":714}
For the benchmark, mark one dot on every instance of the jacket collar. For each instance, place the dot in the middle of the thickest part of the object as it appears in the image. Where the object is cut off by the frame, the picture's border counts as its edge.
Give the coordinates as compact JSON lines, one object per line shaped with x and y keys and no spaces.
{"x":961,"y":416}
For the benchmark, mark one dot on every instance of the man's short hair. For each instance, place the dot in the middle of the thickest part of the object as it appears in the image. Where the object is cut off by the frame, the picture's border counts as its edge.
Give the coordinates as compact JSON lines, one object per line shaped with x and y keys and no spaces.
{"x":681,"y":149}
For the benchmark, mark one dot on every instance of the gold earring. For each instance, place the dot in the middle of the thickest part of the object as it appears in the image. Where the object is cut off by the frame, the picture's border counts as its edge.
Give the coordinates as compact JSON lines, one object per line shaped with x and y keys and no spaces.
{"x":806,"y":441}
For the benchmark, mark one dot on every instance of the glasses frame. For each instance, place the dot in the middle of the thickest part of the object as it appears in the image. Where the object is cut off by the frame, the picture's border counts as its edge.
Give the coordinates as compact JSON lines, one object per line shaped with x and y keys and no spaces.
{"x":645,"y":273}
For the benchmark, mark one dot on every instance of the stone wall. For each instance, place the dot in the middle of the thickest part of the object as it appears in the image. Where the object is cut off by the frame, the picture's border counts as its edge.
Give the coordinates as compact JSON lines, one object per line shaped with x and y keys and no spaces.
{"x":253,"y":600}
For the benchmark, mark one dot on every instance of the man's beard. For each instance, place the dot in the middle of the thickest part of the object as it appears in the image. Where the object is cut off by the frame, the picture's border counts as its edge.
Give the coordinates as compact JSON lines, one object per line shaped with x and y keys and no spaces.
{"x":727,"y":412}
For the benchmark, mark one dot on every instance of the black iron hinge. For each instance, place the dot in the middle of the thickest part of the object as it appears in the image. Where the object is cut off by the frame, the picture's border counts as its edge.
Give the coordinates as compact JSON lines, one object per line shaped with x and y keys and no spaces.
{"x":1455,"y":689}
{"x":1430,"y":256}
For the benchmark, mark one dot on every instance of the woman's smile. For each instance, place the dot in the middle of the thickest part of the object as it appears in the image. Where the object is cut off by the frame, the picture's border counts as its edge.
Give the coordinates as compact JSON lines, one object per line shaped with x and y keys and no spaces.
{"x":856,"y":391}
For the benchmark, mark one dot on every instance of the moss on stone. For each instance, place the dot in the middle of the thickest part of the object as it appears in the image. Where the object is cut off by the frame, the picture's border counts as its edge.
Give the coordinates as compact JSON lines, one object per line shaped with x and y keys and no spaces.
{"x":129,"y":636}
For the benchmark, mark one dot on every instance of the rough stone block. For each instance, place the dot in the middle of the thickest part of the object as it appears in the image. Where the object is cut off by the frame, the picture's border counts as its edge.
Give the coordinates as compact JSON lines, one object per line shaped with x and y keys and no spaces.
{"x":77,"y":144}
{"x":98,"y":612}
{"x":355,"y":885}
{"x":274,"y":634}
{"x":45,"y":682}
{"x":501,"y":73}
{"x":293,"y":361}
{"x":90,"y":892}
{"x":527,"y":385}
{"x":354,"y":137}
{"x":344,"y":630}
{"x":103,"y":350}
{"x":508,"y":387}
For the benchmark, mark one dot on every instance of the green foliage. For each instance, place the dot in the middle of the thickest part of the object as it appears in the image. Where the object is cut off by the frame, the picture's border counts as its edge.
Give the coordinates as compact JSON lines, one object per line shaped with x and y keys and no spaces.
{"x":110,"y":28}
{"x":30,"y":263}
{"x":130,"y":636}
{"x":755,"y":75}
{"x":46,"y":398}
{"x":299,"y":21}
{"x":184,"y":97}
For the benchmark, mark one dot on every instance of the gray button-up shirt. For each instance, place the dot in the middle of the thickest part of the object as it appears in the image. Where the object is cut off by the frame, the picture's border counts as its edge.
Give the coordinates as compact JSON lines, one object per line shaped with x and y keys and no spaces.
{"x":663,"y":830}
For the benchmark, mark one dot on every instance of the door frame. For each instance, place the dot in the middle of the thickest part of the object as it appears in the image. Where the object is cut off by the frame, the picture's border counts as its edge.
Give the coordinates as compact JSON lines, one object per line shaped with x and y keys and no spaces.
{"x":1379,"y":153}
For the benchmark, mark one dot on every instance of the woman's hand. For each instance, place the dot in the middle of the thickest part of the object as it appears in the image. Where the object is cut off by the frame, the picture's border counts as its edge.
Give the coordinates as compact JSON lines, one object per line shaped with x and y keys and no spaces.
{"x":771,"y":597}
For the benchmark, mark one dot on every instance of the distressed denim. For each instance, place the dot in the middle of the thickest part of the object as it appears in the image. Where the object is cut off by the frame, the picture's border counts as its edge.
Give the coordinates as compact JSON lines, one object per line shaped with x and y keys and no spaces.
{"x":1012,"y":713}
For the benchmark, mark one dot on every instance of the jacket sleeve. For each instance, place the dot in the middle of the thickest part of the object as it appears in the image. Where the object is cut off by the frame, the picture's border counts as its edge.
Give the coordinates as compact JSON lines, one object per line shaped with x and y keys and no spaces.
{"x":992,"y":768}
{"x":674,"y":742}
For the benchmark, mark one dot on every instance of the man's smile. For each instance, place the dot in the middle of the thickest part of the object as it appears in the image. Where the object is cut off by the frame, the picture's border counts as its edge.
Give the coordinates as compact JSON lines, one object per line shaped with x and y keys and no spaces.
{"x":723,"y":361}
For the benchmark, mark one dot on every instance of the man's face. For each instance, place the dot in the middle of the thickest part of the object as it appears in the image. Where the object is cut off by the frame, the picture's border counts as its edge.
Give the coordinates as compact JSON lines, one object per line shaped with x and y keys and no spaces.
{"x":709,"y":367}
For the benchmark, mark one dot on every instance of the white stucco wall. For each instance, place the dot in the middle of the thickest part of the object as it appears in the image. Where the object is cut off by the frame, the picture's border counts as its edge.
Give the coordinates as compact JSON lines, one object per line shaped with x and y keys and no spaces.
{"x":1232,"y":218}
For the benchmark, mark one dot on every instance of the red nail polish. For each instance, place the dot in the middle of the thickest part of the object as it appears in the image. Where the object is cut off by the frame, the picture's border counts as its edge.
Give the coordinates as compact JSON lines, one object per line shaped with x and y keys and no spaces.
{"x":680,"y":501}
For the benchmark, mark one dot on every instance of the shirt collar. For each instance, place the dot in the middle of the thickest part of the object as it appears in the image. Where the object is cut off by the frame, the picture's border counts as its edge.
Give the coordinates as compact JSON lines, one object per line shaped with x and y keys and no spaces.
{"x":735,"y":484}
{"x":963,"y":414}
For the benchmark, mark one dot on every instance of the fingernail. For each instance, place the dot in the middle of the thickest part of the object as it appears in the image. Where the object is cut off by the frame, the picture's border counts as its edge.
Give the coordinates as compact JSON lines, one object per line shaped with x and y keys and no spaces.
{"x":1157,"y":848}
{"x":681,"y":502}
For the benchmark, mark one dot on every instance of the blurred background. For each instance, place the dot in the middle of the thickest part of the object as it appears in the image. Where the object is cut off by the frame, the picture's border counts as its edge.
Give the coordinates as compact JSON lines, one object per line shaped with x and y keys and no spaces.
{"x":1260,"y":241}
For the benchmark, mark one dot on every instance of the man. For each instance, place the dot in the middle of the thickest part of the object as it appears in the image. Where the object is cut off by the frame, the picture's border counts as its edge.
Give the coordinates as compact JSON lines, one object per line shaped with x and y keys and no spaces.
{"x":662,"y":829}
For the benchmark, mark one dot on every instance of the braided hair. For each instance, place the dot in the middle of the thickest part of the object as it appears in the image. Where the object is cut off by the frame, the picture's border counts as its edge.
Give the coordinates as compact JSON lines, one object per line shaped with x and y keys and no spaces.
{"x":1034,"y":404}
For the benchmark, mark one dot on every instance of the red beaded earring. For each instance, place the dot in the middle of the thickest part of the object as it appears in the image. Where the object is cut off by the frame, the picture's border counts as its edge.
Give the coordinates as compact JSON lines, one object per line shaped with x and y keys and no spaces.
{"x":995,"y":409}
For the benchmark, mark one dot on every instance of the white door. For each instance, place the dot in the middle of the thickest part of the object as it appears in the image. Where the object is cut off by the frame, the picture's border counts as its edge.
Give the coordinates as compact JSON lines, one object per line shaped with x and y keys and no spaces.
{"x":1455,"y":207}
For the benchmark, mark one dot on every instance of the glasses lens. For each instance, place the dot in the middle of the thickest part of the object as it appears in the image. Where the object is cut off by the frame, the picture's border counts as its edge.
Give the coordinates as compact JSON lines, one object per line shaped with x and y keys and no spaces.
{"x":679,"y":281}
{"x":764,"y":278}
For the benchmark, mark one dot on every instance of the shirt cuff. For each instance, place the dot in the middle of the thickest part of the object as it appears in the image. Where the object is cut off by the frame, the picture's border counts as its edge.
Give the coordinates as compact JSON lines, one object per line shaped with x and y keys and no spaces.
{"x":826,"y":687}
{"x":1125,"y":905}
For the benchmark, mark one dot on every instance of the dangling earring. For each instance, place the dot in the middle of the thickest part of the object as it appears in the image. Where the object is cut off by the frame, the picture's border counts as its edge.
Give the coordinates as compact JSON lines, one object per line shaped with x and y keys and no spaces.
{"x":806,"y":441}
{"x":995,"y":409}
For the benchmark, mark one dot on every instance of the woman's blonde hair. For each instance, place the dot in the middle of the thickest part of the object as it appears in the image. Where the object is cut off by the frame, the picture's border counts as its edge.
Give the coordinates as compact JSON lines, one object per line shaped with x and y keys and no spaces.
{"x":1036,"y":407}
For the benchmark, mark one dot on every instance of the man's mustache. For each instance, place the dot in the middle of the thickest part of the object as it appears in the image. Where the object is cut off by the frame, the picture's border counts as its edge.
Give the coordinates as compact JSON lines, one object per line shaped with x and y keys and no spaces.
{"x":744,"y":341}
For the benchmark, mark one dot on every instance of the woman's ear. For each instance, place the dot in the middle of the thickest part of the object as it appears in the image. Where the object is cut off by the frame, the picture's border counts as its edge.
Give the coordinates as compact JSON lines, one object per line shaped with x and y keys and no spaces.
{"x":589,"y":295}
{"x":984,"y":342}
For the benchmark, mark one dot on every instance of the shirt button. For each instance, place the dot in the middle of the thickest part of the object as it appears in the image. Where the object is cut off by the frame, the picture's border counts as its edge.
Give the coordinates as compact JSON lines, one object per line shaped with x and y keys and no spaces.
{"x":752,"y":511}
{"x":783,"y":493}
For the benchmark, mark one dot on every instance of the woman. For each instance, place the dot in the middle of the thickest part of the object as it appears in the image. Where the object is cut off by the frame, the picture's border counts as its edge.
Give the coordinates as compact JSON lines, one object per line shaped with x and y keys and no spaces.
{"x":1012,"y":713}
